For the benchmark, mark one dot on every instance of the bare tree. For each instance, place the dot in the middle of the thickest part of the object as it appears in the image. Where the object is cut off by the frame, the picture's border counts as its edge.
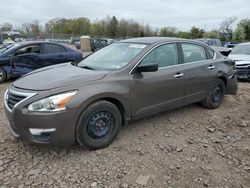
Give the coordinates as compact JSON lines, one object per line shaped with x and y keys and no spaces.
{"x":226,"y":28}
{"x":6,"y":27}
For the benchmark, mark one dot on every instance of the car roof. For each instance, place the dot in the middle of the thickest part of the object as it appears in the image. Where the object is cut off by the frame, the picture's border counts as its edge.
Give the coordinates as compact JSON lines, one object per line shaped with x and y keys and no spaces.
{"x":153,"y":40}
{"x":37,"y":42}
{"x":206,"y":39}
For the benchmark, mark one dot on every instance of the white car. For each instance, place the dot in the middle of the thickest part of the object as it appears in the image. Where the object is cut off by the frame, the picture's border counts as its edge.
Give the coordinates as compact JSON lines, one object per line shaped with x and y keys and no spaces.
{"x":241,"y":55}
{"x":8,"y":42}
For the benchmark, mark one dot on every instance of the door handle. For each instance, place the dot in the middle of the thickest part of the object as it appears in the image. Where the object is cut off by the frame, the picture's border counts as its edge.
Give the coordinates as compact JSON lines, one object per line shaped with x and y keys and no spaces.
{"x":211,"y":67}
{"x":178,"y":75}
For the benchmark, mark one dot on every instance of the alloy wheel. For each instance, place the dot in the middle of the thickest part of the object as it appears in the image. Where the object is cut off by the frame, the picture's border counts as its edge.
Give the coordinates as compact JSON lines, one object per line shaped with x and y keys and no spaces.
{"x":216,"y":94}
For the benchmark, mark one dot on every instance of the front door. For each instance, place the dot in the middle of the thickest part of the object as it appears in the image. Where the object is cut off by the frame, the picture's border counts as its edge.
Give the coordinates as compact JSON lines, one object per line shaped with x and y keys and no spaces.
{"x":152,"y":92}
{"x":26,"y":59}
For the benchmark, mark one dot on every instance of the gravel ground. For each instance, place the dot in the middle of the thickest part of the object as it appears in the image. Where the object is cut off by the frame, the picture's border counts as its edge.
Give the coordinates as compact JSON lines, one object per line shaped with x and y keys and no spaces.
{"x":187,"y":147}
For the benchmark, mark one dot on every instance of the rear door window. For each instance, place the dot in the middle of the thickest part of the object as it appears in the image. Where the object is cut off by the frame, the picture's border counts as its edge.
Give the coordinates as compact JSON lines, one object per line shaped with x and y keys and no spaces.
{"x":193,"y":53}
{"x":53,"y":49}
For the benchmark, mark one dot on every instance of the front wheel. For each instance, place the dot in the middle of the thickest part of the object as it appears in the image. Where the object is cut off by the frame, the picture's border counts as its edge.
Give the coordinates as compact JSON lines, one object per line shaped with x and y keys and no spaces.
{"x":3,"y":75}
{"x":215,"y":95}
{"x":98,"y":125}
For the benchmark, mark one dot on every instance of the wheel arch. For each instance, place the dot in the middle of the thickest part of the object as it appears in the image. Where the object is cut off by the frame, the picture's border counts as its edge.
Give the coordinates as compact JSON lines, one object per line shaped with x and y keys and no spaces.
{"x":223,"y":78}
{"x":118,"y":102}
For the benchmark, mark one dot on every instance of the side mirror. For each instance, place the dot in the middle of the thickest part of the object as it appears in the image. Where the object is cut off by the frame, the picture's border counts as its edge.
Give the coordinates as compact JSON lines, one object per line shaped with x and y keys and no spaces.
{"x":147,"y":68}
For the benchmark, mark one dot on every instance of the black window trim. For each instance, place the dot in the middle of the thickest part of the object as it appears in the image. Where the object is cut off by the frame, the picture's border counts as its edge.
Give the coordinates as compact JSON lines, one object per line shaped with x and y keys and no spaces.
{"x":180,"y":58}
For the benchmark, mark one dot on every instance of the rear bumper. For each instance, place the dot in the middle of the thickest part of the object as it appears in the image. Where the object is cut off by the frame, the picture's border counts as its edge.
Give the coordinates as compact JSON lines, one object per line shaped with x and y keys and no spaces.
{"x":232,"y":86}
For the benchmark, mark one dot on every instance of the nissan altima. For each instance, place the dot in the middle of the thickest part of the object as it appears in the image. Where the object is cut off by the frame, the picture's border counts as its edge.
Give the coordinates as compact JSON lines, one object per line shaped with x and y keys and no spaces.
{"x":88,"y":102}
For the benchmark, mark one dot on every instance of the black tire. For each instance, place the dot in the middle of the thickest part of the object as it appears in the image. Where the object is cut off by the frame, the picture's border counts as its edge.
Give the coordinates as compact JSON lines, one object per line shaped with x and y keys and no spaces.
{"x":98,"y":118}
{"x":3,"y":75}
{"x":215,"y":95}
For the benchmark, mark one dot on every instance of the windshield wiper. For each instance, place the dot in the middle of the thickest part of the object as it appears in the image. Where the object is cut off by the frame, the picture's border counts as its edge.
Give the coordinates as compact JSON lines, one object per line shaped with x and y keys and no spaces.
{"x":87,"y":67}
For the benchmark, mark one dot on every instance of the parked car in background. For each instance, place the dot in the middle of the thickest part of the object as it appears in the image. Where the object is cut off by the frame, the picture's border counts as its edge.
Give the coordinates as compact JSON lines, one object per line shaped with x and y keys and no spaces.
{"x":109,"y":41}
{"x":13,"y":35}
{"x":230,"y":44}
{"x":96,"y":43}
{"x":78,"y":45}
{"x":8,"y":42}
{"x":241,"y":55}
{"x":124,"y":81}
{"x":215,"y":44}
{"x":21,"y":58}
{"x":73,"y":40}
{"x":223,"y":50}
{"x":210,"y":42}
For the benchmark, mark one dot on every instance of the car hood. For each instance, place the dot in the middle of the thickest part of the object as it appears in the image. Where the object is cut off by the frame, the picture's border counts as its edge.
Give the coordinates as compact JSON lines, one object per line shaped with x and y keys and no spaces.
{"x":240,"y":57}
{"x":57,"y":76}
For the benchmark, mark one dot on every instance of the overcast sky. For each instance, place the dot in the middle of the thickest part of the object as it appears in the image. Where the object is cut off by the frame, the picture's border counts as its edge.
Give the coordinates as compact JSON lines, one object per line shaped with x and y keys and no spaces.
{"x":183,"y":14}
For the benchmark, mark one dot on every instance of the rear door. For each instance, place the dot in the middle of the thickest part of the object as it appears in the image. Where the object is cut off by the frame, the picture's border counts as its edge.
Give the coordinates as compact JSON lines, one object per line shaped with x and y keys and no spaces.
{"x":152,"y":92}
{"x":200,"y":68}
{"x":54,"y":54}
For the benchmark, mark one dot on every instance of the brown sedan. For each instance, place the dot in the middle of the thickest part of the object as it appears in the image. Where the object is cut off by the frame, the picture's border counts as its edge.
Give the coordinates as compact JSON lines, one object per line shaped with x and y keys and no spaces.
{"x":127,"y":80}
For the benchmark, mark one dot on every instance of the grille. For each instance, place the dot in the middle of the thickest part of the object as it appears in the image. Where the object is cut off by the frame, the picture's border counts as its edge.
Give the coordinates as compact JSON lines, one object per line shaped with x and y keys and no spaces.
{"x":13,"y":99}
{"x":242,"y":71}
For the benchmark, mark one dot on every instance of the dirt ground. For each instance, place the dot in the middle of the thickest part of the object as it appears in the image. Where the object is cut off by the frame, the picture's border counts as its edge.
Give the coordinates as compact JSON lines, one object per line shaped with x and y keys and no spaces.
{"x":188,"y":147}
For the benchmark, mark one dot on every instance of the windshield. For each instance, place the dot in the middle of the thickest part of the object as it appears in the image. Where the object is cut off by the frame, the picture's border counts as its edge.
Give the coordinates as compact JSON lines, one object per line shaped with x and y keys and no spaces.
{"x":8,"y":48}
{"x":112,"y":57}
{"x":241,"y":49}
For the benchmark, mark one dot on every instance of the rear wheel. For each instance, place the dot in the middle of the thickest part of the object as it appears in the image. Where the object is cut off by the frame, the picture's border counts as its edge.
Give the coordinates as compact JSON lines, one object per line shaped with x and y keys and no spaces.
{"x":3,"y":75}
{"x":215,"y":95}
{"x":98,"y":125}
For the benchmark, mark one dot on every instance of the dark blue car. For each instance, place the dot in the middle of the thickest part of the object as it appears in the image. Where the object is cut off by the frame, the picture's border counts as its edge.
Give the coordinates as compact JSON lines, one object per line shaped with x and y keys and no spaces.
{"x":19,"y":59}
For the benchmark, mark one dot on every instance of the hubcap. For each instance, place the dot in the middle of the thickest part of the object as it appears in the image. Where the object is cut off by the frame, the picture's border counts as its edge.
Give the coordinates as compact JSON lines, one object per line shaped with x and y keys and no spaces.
{"x":216,"y":94}
{"x":100,"y":124}
{"x":1,"y":75}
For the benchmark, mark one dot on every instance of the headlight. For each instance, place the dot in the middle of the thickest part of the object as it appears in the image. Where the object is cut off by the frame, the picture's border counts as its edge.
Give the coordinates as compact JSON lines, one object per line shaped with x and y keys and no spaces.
{"x":52,"y":104}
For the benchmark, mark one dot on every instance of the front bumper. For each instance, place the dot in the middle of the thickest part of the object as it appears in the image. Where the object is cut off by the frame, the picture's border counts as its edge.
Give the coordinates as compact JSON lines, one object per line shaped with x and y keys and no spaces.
{"x":243,"y":73}
{"x":57,"y":128}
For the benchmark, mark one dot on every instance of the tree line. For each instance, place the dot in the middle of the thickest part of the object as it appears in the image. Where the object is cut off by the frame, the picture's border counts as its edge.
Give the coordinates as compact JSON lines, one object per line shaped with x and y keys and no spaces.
{"x":123,"y":28}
